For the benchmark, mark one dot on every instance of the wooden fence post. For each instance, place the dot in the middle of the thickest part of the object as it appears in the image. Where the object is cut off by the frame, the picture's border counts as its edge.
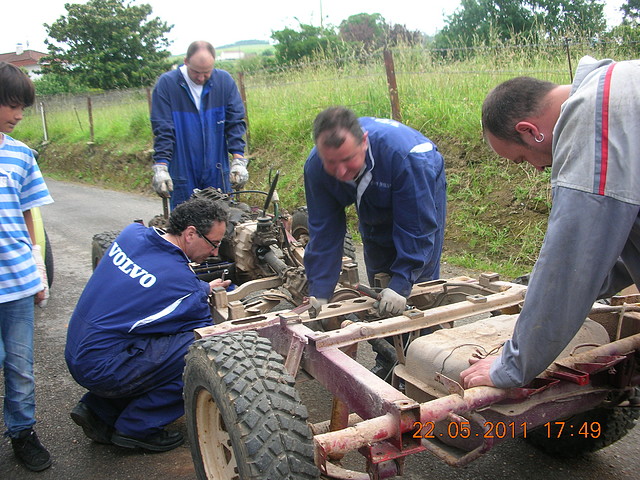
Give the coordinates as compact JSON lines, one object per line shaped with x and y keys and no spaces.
{"x":149,"y":99}
{"x":90,"y":109}
{"x":393,"y":87}
{"x":44,"y":123}
{"x":243,"y":95}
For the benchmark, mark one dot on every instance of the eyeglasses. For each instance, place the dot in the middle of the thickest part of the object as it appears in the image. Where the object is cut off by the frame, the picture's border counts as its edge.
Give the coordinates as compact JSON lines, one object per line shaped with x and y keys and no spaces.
{"x":214,"y":245}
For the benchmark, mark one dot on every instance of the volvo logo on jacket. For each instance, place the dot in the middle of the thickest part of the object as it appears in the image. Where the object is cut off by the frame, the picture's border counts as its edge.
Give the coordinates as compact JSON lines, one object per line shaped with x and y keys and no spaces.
{"x":129,"y":267}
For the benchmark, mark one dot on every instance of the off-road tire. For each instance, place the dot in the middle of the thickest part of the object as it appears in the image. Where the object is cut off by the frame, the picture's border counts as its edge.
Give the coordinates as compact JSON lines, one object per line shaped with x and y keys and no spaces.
{"x":614,"y":423}
{"x":244,"y":417}
{"x":48,"y":259}
{"x":348,"y":248}
{"x":100,"y":244}
{"x":300,"y":225}
{"x":300,"y":231}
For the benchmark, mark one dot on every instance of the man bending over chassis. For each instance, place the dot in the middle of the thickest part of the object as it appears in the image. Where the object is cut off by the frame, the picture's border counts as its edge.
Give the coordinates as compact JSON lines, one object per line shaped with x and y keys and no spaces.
{"x":587,"y":133}
{"x":133,"y":324}
{"x":395,"y":177}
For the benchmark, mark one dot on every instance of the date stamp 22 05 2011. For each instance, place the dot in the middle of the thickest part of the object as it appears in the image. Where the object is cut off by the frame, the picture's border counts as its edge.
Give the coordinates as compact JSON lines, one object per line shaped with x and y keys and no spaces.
{"x":503,"y":430}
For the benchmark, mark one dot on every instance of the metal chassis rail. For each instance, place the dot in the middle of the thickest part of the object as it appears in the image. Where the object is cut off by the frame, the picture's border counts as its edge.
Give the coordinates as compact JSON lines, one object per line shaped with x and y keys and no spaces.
{"x":373,"y":417}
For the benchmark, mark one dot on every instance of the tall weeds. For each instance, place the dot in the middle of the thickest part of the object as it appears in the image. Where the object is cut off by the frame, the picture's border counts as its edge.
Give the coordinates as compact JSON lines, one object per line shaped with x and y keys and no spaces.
{"x":497,"y":212}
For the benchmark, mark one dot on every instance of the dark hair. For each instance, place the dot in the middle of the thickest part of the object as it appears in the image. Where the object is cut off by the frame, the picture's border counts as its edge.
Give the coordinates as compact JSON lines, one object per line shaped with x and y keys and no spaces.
{"x":511,"y":102}
{"x":334,"y":121}
{"x":16,"y":88}
{"x":200,"y":45}
{"x":198,"y":212}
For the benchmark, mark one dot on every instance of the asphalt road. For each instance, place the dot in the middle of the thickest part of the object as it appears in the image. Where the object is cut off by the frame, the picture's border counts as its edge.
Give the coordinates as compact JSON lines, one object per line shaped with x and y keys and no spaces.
{"x":79,"y":213}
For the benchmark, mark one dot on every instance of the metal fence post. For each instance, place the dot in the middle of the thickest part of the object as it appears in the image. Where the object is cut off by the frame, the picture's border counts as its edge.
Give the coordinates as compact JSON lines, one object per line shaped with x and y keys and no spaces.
{"x":566,"y":46}
{"x":44,"y":122}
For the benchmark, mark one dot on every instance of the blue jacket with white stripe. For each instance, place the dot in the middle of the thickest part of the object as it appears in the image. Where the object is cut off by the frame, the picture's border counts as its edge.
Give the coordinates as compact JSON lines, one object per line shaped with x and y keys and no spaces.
{"x":143,"y":286}
{"x":401,"y":210}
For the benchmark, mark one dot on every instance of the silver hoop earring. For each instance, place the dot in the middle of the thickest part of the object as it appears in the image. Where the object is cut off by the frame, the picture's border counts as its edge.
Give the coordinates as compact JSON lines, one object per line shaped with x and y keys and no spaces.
{"x":541,"y":138}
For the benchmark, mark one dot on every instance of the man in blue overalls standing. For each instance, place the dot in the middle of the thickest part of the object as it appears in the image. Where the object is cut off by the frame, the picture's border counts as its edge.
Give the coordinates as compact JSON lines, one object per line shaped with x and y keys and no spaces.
{"x":197,"y":117}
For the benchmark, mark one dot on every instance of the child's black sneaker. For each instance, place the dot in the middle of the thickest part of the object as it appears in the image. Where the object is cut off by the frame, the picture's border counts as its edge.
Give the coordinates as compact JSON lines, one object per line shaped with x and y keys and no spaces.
{"x":28,"y":449}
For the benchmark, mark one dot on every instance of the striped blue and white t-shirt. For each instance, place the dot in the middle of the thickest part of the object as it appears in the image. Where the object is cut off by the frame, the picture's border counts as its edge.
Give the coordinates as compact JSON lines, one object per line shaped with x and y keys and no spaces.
{"x":21,"y":188}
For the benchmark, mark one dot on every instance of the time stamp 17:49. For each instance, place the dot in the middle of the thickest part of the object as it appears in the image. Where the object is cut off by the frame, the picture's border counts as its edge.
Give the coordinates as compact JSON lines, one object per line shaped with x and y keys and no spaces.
{"x":505,"y":430}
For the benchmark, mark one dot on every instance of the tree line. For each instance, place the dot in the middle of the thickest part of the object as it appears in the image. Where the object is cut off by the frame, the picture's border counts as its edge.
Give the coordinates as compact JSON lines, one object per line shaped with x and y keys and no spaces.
{"x":114,"y":44}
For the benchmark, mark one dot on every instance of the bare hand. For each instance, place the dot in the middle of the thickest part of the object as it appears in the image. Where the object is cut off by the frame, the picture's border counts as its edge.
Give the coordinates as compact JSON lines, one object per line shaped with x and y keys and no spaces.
{"x":217,"y":282}
{"x":478,"y":373}
{"x":39,"y":297}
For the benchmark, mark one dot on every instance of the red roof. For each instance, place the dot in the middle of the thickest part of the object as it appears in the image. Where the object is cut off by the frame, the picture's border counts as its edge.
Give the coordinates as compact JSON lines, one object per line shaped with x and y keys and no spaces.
{"x":25,"y":59}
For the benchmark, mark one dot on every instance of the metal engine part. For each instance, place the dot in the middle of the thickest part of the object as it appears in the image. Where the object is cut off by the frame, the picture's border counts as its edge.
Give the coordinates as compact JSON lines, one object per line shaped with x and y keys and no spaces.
{"x":242,"y":242}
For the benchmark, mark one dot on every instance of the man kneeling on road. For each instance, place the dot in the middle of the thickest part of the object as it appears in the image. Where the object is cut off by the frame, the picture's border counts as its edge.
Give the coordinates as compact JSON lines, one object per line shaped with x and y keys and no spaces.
{"x":133,"y":324}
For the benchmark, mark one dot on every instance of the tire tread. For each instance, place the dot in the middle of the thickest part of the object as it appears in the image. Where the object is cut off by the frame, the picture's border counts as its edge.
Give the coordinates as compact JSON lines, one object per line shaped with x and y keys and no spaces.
{"x":271,"y":420}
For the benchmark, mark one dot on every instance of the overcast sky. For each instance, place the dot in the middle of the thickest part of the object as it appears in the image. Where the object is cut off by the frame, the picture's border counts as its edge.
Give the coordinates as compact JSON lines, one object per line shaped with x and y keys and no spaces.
{"x":227,"y":22}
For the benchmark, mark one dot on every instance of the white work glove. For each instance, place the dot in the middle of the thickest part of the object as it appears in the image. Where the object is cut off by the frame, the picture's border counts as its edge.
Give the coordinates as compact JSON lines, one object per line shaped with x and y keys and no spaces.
{"x":238,"y":175}
{"x":390,"y":302}
{"x":317,"y":304}
{"x":41,"y":299}
{"x":162,"y":183}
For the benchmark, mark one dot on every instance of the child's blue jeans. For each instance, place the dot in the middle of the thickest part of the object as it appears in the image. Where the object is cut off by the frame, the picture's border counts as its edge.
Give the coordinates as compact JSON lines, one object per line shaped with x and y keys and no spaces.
{"x":16,"y":360}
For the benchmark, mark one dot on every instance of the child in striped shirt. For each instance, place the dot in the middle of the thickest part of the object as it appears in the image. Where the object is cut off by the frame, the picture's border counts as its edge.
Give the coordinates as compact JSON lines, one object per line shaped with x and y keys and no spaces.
{"x":21,"y":189}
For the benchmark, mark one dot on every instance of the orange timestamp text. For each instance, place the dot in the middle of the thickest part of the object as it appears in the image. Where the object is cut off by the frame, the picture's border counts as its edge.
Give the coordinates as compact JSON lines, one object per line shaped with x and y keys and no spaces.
{"x":567,"y":429}
{"x":463,"y":430}
{"x":503,"y":430}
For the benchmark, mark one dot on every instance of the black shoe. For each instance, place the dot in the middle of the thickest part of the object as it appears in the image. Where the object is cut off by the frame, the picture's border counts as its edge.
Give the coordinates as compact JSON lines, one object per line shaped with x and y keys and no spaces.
{"x":28,"y":449}
{"x":92,"y":425}
{"x":162,"y":441}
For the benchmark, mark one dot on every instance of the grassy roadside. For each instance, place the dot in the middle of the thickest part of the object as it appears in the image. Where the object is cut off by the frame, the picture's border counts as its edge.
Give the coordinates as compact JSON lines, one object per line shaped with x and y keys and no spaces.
{"x":495,"y":222}
{"x":497,"y":211}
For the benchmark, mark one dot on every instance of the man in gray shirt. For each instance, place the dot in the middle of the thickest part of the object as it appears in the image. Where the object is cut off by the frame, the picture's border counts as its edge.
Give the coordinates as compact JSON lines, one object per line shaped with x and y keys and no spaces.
{"x":589,"y":134}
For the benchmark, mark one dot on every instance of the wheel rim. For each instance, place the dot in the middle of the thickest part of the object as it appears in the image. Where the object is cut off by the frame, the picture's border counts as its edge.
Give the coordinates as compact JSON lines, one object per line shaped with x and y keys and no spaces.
{"x":214,"y":442}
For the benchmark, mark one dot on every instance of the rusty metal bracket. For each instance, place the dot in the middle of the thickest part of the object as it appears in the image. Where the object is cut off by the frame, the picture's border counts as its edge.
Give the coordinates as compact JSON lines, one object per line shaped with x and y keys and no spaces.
{"x":292,"y":363}
{"x":452,"y":385}
{"x":460,"y":460}
{"x":581,"y":373}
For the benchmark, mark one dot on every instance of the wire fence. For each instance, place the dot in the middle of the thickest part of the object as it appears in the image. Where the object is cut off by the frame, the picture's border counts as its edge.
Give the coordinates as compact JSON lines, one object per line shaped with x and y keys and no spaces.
{"x":395,"y":70}
{"x":494,"y":208}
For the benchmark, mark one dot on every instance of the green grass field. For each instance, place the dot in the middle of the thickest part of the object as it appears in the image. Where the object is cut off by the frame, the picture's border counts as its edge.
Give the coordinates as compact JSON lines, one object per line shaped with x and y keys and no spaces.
{"x":497,"y":211}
